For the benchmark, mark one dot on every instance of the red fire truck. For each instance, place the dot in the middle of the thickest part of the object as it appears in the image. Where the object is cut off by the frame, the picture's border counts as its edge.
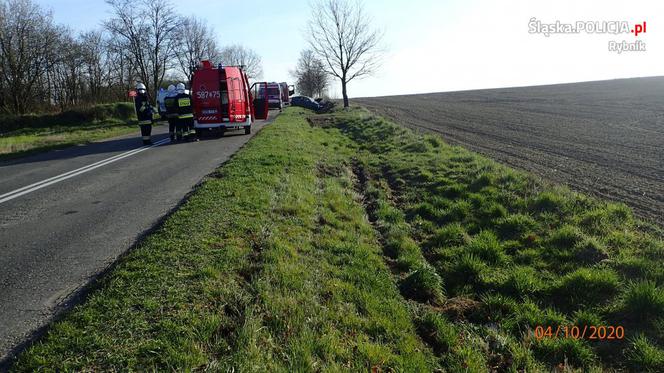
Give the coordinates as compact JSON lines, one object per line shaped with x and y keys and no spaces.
{"x":223,"y":100}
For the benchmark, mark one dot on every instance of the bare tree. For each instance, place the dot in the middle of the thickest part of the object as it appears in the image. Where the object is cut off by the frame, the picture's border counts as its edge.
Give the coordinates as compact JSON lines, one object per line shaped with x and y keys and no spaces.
{"x":120,"y":68}
{"x":195,"y":42}
{"x":148,"y":30}
{"x":44,"y":66}
{"x":27,"y":40}
{"x":67,"y":72}
{"x":310,"y":75}
{"x":238,"y":55}
{"x":94,"y":72}
{"x":341,"y":35}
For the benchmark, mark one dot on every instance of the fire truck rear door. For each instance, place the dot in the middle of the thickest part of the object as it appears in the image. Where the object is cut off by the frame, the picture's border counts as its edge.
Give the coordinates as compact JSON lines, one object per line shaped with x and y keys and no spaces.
{"x":260,"y":100}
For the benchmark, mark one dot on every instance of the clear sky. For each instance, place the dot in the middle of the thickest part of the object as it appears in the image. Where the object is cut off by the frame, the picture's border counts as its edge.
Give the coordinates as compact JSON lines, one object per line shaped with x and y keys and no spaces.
{"x":435,"y":45}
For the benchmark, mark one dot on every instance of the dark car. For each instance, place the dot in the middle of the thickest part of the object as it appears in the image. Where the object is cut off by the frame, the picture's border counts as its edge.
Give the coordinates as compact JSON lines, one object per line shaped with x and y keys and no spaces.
{"x":305,"y":102}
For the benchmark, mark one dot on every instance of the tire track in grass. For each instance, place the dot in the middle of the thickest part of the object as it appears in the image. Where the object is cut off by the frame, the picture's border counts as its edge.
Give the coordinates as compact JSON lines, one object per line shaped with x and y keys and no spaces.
{"x":325,"y":300}
{"x":405,"y":262}
{"x":513,"y":252}
{"x":454,"y":342}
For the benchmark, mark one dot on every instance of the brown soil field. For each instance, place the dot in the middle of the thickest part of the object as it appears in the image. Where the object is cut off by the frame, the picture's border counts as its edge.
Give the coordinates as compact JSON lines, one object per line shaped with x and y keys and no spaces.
{"x":605,"y":138}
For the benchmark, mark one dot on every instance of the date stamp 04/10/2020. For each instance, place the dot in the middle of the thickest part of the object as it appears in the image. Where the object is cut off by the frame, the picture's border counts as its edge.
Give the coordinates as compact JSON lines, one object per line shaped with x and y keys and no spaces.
{"x":588,"y":332}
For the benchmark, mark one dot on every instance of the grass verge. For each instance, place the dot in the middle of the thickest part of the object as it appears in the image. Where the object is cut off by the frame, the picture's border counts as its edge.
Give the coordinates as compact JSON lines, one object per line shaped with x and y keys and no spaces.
{"x":350,"y":243}
{"x":29,"y":134}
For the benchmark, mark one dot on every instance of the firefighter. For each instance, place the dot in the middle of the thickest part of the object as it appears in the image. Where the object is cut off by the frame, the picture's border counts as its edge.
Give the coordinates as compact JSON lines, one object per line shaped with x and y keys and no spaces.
{"x":171,"y":110}
{"x":143,"y":113}
{"x":185,"y":119}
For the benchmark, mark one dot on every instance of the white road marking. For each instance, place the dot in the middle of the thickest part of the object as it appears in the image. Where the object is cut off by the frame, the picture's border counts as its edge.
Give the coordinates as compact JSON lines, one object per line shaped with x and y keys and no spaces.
{"x":67,"y":175}
{"x":70,"y":172}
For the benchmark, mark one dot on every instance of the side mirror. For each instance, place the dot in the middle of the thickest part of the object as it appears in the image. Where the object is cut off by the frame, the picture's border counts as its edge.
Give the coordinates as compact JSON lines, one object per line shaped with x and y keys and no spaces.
{"x":291,"y":90}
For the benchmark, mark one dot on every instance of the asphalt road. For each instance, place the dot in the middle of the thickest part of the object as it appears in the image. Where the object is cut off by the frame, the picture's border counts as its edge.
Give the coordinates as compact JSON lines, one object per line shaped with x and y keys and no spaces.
{"x":58,"y":234}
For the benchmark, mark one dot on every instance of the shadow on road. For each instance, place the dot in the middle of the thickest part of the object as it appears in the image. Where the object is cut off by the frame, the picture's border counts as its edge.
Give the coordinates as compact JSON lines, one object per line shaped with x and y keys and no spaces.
{"x":101,"y":147}
{"x":117,"y":145}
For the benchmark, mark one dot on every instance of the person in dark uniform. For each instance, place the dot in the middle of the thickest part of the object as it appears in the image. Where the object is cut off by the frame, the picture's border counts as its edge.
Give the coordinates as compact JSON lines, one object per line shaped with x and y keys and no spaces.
{"x":171,"y":110}
{"x":185,"y":120}
{"x":144,"y":113}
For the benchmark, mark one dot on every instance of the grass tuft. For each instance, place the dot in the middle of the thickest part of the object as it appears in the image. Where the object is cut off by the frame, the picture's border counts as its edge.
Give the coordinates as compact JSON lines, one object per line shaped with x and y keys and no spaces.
{"x":644,"y":356}
{"x":449,"y":236}
{"x":486,"y":247}
{"x":586,"y":286}
{"x":424,"y":285}
{"x":516,"y":226}
{"x":523,"y":282}
{"x":438,"y":332}
{"x":643,"y":300}
{"x":565,"y":352}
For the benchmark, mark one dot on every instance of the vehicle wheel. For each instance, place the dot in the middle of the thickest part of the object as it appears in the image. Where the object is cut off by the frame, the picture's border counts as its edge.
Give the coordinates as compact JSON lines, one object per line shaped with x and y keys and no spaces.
{"x":247,"y":130}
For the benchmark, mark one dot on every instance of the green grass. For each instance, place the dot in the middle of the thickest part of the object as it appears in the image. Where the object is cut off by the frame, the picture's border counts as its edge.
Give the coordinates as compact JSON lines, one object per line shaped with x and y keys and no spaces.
{"x":348,"y":243}
{"x":34,"y":133}
{"x":643,"y":300}
{"x":271,"y":265}
{"x":644,"y":356}
{"x":522,"y":252}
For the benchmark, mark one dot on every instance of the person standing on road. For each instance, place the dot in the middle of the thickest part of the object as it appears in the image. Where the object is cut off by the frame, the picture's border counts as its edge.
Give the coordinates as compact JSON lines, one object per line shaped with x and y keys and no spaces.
{"x":185,"y":120}
{"x":144,"y":113}
{"x":171,"y":110}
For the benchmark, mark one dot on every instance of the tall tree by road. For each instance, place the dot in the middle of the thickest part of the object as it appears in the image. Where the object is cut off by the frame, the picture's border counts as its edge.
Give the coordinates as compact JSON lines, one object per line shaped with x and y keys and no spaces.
{"x":195,"y":43}
{"x":341,"y":35}
{"x":148,"y":30}
{"x":239,"y":55}
{"x":310,"y":75}
{"x":28,"y":43}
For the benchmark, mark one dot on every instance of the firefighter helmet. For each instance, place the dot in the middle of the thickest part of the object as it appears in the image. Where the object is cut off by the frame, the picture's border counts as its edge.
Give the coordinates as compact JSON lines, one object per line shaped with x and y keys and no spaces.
{"x":180,"y":88}
{"x":171,"y":88}
{"x":140,"y":87}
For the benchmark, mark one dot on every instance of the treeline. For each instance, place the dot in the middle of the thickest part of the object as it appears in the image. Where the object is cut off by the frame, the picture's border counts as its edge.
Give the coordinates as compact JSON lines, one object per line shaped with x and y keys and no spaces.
{"x":45,"y":66}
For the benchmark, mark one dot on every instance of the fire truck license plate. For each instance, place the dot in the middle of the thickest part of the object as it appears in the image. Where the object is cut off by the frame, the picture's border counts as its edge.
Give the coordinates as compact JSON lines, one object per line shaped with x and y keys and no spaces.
{"x":207,"y":94}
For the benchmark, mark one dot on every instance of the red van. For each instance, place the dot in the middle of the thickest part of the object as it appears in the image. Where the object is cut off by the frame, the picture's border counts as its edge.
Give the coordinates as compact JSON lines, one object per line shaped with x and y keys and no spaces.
{"x":274,"y":96}
{"x":223,"y":100}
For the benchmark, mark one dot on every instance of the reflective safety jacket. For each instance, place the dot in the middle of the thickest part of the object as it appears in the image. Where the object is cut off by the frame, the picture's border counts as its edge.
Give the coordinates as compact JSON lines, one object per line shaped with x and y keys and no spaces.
{"x":184,"y":108}
{"x":143,"y":109}
{"x":171,"y":104}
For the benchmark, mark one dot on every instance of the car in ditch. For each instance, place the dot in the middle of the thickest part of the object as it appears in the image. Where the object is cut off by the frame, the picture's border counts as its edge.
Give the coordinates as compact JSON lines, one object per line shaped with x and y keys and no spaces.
{"x":305,"y":102}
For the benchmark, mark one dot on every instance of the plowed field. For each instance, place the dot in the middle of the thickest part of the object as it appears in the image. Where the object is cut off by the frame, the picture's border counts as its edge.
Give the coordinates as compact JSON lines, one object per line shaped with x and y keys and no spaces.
{"x":605,"y":138}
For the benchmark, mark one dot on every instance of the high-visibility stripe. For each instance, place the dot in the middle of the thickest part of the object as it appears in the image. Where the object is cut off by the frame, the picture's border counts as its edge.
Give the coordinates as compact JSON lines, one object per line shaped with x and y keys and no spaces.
{"x":141,"y":122}
{"x":186,"y":116}
{"x":146,"y":137}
